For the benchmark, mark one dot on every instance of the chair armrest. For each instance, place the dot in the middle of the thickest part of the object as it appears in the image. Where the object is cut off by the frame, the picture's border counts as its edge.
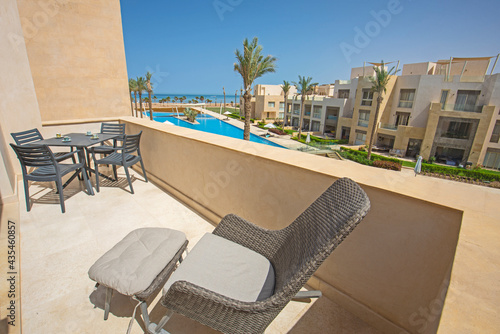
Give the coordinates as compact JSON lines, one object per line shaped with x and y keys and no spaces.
{"x":66,"y":155}
{"x":249,"y":235}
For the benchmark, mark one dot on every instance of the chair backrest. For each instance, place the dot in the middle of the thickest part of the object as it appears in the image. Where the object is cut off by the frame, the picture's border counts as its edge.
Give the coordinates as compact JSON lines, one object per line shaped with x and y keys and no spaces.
{"x":34,"y":155}
{"x":131,"y":143}
{"x":313,"y":236}
{"x":27,"y":137}
{"x":113,"y":128}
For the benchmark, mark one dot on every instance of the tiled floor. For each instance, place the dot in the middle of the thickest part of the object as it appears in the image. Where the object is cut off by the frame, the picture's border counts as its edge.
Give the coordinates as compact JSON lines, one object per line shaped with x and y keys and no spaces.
{"x":58,"y":249}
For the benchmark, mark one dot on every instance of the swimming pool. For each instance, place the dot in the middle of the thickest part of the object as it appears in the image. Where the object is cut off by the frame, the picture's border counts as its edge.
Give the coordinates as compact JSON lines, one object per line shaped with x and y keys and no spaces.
{"x":212,"y":125}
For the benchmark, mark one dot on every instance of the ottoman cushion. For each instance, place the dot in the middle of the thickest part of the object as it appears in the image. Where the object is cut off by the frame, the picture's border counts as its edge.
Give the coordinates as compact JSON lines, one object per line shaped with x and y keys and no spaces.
{"x":132,"y":264}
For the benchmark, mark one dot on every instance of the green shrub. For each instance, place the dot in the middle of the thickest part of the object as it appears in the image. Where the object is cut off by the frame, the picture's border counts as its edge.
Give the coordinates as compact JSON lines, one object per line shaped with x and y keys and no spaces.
{"x":356,"y":158}
{"x":387,"y":165}
{"x":454,"y":171}
{"x":374,"y":157}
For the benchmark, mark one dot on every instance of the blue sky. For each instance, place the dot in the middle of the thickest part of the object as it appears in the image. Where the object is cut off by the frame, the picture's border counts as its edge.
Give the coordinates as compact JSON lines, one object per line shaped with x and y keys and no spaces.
{"x":190,"y":44}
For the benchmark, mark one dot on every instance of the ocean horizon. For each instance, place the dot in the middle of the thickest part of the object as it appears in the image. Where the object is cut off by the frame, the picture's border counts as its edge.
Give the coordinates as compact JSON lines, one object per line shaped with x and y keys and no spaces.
{"x":214,"y":97}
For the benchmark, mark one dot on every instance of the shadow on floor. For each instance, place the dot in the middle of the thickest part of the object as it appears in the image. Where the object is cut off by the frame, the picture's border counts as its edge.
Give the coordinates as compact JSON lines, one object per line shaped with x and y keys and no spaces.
{"x":325,"y":316}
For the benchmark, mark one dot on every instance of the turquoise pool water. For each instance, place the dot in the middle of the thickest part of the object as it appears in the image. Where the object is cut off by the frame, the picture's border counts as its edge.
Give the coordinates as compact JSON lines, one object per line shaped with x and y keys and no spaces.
{"x":212,"y":125}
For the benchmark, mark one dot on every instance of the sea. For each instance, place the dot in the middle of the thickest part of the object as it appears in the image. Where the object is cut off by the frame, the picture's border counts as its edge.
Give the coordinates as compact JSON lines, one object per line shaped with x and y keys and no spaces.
{"x":213,"y":97}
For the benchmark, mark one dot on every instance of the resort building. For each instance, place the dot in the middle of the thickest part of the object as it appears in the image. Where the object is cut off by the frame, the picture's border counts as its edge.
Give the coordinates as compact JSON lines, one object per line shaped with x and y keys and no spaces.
{"x":268,"y":101}
{"x":446,"y":109}
{"x":424,"y":260}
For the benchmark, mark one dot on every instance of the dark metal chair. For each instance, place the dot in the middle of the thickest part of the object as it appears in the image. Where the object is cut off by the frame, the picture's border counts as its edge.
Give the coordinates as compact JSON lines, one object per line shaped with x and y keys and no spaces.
{"x":294,"y":252}
{"x":32,"y":136}
{"x":46,"y":168}
{"x":105,"y":149}
{"x":127,"y":155}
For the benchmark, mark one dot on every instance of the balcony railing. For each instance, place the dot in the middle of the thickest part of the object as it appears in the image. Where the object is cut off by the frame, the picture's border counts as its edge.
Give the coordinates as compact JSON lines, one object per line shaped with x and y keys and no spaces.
{"x":405,"y":104}
{"x":462,"y":107}
{"x":388,"y":126}
{"x":363,"y":123}
{"x":332,"y":118}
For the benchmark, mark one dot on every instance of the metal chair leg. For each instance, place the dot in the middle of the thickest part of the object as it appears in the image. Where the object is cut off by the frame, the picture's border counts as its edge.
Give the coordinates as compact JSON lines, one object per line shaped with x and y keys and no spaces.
{"x":128,"y":178}
{"x":27,"y":193}
{"x":96,"y":176}
{"x":145,"y":315}
{"x":61,"y":195}
{"x":143,"y":170}
{"x":107,"y":302}
{"x":153,"y":328}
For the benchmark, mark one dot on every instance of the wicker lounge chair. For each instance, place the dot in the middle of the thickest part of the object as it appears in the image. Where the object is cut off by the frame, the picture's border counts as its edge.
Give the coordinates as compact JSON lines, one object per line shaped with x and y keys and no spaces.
{"x":213,"y":286}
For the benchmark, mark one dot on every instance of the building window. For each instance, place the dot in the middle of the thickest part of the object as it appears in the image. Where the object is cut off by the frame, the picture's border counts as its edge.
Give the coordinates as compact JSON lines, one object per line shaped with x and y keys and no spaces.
{"x":444,"y":98}
{"x":364,"y":118}
{"x":281,"y":115}
{"x":367,"y":97}
{"x":315,"y":126}
{"x":343,"y":93}
{"x":406,"y":97}
{"x":307,"y":110}
{"x":282,"y":106}
{"x":296,"y":109}
{"x":492,"y":159}
{"x":317,"y":112}
{"x":466,"y":100}
{"x":360,"y":138}
{"x":295,"y":121}
{"x":271,"y":104}
{"x":495,"y":136}
{"x":402,"y":118}
{"x":458,"y":130}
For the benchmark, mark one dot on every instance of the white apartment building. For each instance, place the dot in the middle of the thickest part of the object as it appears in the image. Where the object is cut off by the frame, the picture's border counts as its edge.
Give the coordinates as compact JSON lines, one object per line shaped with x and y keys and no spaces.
{"x":445,"y":109}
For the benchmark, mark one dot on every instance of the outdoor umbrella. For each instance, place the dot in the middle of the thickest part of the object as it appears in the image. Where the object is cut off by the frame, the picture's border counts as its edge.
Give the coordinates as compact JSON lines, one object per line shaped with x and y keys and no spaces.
{"x":308,"y":138}
{"x":227,"y":113}
{"x":270,"y":126}
{"x":418,"y":165}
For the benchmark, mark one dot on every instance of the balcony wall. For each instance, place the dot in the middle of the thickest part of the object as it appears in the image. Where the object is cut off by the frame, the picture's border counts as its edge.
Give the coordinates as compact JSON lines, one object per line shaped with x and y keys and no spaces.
{"x":397,"y":261}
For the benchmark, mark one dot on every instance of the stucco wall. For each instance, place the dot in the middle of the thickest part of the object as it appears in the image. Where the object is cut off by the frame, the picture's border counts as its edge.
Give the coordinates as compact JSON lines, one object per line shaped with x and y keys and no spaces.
{"x":77,"y":57}
{"x":18,"y":104}
{"x":396,"y":261}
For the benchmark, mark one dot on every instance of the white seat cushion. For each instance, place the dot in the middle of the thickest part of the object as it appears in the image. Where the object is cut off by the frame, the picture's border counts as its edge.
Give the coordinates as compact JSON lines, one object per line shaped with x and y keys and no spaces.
{"x":227,"y":268}
{"x":132,"y":264}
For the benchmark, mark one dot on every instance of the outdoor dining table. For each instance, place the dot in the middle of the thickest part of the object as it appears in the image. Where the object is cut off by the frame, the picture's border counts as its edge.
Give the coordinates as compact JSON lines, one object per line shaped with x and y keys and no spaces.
{"x":81,"y":141}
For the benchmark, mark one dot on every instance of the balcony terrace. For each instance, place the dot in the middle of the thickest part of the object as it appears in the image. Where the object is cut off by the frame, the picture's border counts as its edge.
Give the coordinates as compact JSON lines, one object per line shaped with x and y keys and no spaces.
{"x":416,"y":263}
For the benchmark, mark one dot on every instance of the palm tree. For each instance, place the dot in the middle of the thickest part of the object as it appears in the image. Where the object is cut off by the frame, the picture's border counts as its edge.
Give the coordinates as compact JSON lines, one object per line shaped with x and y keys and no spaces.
{"x":141,"y":87}
{"x":149,"y":88}
{"x":132,"y":87}
{"x":167,"y":99}
{"x":251,"y":65}
{"x":304,"y":86}
{"x":286,"y":88}
{"x":224,"y":91}
{"x":379,"y":86}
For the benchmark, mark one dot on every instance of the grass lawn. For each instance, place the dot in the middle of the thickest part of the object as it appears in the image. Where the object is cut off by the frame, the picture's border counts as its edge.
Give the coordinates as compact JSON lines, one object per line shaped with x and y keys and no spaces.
{"x":217,"y":109}
{"x":408,"y":163}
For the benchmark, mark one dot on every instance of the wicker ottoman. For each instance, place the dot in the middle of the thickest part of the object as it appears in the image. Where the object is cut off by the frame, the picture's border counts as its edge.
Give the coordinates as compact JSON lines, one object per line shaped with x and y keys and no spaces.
{"x":139,"y":265}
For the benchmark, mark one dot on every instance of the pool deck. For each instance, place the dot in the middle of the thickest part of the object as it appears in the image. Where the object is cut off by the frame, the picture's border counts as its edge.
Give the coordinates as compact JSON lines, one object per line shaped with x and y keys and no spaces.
{"x":58,"y":249}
